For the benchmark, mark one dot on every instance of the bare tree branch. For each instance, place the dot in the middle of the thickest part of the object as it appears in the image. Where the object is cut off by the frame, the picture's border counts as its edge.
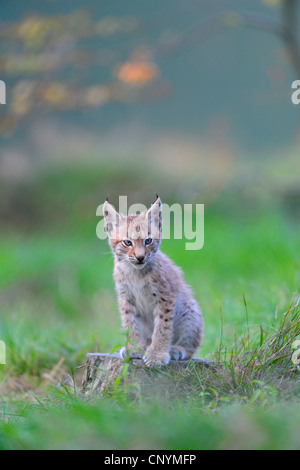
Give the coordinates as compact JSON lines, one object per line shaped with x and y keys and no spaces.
{"x":289,"y":18}
{"x":285,"y":30}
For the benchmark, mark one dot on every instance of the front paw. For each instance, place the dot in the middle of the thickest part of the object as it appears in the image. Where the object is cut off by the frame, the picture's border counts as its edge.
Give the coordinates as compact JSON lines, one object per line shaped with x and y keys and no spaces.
{"x":178,"y":353}
{"x":132,"y":354}
{"x":156,"y":359}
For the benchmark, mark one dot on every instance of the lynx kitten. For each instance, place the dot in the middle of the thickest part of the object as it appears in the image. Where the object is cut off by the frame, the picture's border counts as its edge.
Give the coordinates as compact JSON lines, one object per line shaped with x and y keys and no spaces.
{"x":157,"y":307}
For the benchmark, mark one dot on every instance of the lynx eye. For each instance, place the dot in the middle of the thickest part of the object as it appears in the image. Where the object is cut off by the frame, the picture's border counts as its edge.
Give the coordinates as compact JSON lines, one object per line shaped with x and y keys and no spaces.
{"x":148,"y":241}
{"x":127,"y":242}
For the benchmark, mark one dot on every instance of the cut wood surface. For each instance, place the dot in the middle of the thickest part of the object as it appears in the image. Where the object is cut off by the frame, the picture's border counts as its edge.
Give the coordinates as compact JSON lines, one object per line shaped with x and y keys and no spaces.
{"x":102,"y":371}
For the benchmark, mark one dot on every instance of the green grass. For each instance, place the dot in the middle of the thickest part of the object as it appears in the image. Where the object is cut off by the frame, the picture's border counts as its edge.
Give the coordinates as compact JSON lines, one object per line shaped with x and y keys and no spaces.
{"x":58,"y":303}
{"x":100,"y":425}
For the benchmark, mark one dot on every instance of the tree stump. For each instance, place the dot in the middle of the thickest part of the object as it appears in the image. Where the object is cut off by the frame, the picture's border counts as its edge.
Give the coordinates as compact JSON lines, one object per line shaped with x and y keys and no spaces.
{"x":104,"y":372}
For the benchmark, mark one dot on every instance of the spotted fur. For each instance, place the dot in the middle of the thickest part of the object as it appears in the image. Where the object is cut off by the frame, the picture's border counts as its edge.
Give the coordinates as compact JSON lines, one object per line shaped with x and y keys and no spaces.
{"x":157,"y":307}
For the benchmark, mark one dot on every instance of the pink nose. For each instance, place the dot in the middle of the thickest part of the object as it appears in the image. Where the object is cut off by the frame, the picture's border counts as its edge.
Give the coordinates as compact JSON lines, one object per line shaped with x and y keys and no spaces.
{"x":140,"y":258}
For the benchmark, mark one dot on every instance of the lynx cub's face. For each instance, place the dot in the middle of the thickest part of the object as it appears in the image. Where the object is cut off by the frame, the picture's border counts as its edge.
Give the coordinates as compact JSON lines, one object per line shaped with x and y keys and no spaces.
{"x":134,"y":239}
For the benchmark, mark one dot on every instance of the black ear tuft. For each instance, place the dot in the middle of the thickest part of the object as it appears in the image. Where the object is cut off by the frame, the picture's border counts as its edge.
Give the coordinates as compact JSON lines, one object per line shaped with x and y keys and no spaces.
{"x":157,"y":196}
{"x":107,"y":199}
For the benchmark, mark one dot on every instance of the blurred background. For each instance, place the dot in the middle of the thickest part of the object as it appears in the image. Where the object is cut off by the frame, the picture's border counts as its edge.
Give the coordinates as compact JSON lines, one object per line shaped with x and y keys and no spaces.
{"x":191,"y":100}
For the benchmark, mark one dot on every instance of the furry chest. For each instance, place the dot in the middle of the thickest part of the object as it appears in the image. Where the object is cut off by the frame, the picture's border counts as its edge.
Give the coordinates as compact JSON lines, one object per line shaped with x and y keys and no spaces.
{"x":143,"y":297}
{"x":144,"y":317}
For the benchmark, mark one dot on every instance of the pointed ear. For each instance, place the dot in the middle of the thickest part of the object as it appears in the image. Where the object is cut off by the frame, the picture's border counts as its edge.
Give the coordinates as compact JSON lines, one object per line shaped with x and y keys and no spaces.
{"x":111,"y":218}
{"x":154,"y":215}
